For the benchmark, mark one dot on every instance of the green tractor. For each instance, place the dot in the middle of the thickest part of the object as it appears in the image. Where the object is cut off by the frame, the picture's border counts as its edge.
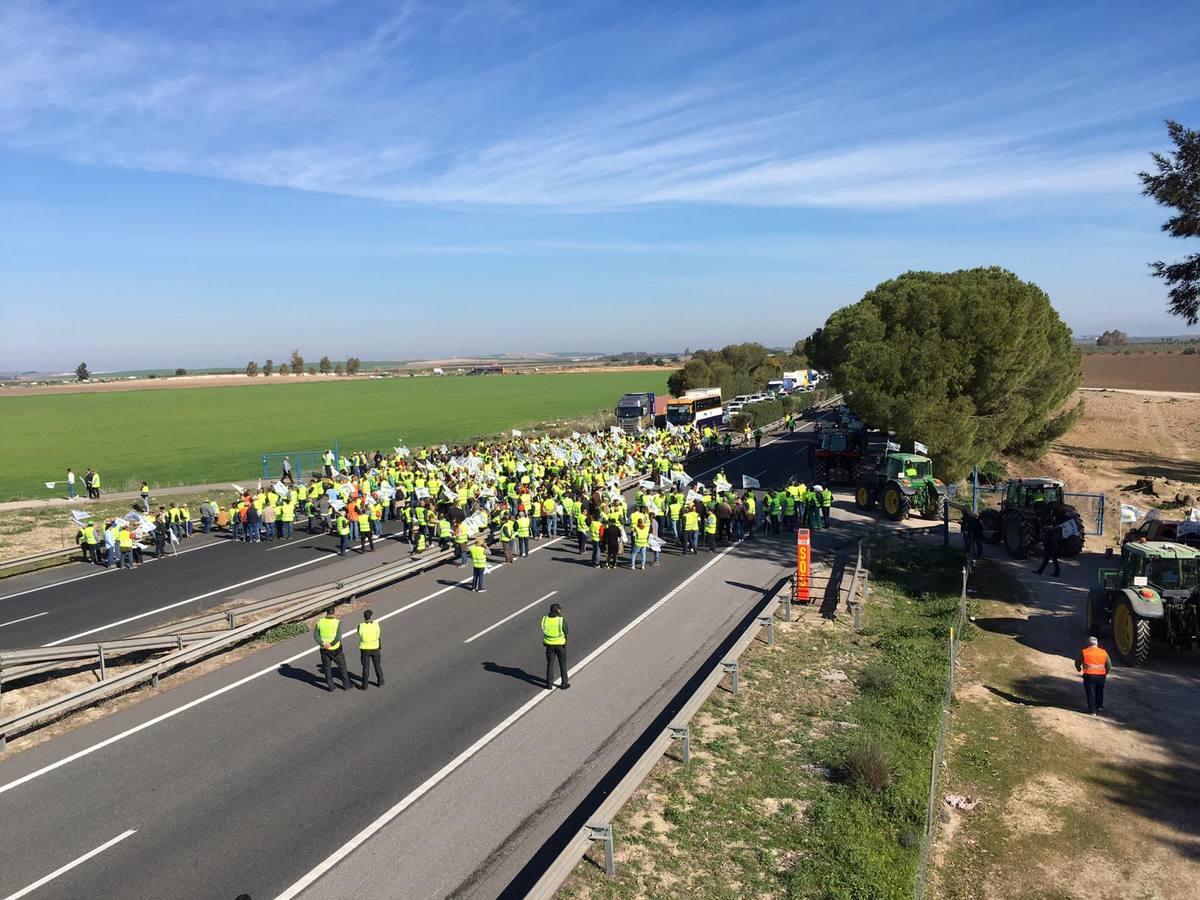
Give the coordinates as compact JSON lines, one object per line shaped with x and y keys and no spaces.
{"x":1029,"y":505}
{"x":1155,"y":595}
{"x":902,"y":483}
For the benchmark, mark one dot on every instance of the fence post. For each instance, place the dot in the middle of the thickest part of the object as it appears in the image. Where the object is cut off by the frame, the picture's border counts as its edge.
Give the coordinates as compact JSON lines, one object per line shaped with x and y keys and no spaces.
{"x":731,"y":667}
{"x":975,"y":490}
{"x":103,"y":667}
{"x":683,"y":734}
{"x":265,"y":473}
{"x":604,"y":833}
{"x":768,"y":622}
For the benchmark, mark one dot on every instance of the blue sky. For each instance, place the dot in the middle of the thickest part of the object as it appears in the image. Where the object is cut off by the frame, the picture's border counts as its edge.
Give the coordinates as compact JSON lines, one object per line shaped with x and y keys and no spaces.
{"x":200,"y":183}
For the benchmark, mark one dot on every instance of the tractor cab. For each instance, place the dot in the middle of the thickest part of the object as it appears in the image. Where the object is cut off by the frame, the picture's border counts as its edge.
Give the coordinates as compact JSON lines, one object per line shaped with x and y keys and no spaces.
{"x":1154,"y":568}
{"x":908,"y":465}
{"x":1027,"y":493}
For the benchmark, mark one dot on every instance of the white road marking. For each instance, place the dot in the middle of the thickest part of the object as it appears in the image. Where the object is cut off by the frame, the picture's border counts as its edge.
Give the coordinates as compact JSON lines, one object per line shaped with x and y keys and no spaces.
{"x":69,"y":866}
{"x":26,"y":619}
{"x":46,"y":587}
{"x":513,"y":616}
{"x":448,"y":769}
{"x":149,"y":723}
{"x":220,"y":590}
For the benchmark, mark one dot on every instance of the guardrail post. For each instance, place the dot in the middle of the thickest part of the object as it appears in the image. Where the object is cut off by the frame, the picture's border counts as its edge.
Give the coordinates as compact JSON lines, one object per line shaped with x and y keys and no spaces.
{"x":731,"y":668}
{"x":604,"y":833}
{"x":179,"y":641}
{"x":103,"y":667}
{"x":683,"y":734}
{"x":229,"y":619}
{"x":3,"y":742}
{"x":786,"y":603}
{"x":154,"y":681}
{"x":768,"y":622}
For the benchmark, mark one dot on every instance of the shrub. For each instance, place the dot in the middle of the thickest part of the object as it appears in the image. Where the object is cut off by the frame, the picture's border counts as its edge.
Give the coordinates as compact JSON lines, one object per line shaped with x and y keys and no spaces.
{"x":877,"y":678}
{"x":868,"y":765}
{"x":993,"y":472}
{"x":284,"y":632}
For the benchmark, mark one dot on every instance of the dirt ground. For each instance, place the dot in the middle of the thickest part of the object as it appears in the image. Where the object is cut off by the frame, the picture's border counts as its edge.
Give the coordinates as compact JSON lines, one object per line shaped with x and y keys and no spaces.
{"x":1070,"y":805}
{"x":1142,"y":371}
{"x":17,"y":389}
{"x":1124,"y":436}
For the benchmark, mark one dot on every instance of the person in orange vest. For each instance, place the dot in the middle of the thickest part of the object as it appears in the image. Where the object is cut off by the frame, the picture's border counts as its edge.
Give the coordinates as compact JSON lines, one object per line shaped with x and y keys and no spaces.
{"x":1095,"y":665}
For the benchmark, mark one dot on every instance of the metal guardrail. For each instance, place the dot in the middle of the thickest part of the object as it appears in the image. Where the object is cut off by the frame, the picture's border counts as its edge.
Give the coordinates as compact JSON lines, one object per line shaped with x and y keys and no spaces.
{"x":189,"y":646}
{"x":599,"y":826}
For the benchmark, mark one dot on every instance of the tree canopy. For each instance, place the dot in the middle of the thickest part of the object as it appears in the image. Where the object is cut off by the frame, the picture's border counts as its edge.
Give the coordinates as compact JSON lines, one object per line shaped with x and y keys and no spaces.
{"x":1176,"y":184}
{"x":967,"y":362}
{"x":735,"y":369}
{"x":81,"y":372}
{"x":1113,"y":338}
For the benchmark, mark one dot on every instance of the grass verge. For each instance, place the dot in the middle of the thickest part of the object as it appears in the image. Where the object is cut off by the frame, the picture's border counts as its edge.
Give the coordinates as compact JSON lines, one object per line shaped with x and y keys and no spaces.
{"x":812,"y":782}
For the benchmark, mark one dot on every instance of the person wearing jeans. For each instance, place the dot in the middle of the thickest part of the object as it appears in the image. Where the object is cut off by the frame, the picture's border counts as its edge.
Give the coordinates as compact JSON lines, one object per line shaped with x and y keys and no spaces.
{"x":478,"y":565}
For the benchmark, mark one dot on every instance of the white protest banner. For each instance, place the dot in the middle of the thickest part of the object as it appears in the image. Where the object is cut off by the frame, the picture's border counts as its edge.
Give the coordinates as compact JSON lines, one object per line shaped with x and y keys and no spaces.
{"x":238,"y":488}
{"x":422,"y":493}
{"x":656,"y":545}
{"x":748,"y":482}
{"x":559,"y":453}
{"x":691,"y":495}
{"x":665,"y":483}
{"x":575,"y":435}
{"x":386,"y":491}
{"x":80,"y":516}
{"x":615,"y":430}
{"x":918,"y":447}
{"x":281,"y":489}
{"x":893,"y":447}
{"x":576,"y":457}
{"x":648,"y":485}
{"x":516,"y":433}
{"x":337,"y":503}
{"x":402,"y":452}
{"x":450,"y":495}
{"x":682,"y":477}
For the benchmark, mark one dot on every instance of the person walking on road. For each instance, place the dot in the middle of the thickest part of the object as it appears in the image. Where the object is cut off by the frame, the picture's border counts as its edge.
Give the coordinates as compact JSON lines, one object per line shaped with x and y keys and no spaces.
{"x":368,"y":648}
{"x":328,"y":634}
{"x":1049,"y":549}
{"x":554,"y":638}
{"x":612,"y":544}
{"x":478,"y":565}
{"x":1095,"y":665}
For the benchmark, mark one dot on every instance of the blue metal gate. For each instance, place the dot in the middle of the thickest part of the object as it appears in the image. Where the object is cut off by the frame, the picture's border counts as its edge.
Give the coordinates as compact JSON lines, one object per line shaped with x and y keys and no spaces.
{"x":305,"y":463}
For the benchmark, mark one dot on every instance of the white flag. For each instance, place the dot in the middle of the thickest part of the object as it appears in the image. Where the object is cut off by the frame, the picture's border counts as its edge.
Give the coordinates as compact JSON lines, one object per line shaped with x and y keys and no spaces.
{"x":893,"y":447}
{"x":691,"y":495}
{"x":918,"y":447}
{"x":238,"y":488}
{"x":574,"y":435}
{"x":681,"y":477}
{"x":656,"y":545}
{"x":421,"y":493}
{"x":51,"y":484}
{"x":516,"y":433}
{"x":748,"y":482}
{"x":665,"y":482}
{"x":648,"y":485}
{"x":450,"y":495}
{"x":80,"y":516}
{"x":280,"y":488}
{"x":614,"y":430}
{"x":722,"y":485}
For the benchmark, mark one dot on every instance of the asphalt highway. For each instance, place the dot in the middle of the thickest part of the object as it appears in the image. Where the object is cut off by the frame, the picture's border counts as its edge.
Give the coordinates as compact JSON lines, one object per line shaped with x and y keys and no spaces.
{"x":251,"y":777}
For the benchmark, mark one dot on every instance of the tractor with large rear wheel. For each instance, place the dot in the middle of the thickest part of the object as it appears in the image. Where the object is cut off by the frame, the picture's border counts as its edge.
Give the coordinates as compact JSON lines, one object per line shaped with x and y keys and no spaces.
{"x":1031,"y":505}
{"x":902,"y":483}
{"x":1154,"y":595}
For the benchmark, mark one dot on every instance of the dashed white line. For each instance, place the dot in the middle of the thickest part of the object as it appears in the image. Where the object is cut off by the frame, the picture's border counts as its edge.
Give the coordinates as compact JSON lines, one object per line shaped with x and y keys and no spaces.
{"x":71,"y":865}
{"x":25,"y":619}
{"x":448,"y":769}
{"x":513,"y":616}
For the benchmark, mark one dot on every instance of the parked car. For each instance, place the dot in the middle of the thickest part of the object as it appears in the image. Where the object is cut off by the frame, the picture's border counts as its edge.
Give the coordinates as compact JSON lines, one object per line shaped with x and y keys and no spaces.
{"x":1164,"y":530}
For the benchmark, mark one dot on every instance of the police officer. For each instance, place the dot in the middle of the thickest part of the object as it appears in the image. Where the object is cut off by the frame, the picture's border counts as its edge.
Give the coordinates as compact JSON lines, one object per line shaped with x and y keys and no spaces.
{"x":1095,"y":665}
{"x":368,"y":648}
{"x":1049,"y":549}
{"x":329,"y":636}
{"x":554,"y":638}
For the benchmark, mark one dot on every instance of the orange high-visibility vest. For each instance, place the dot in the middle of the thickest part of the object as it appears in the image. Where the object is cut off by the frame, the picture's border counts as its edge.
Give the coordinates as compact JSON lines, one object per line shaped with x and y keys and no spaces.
{"x":1095,"y":661}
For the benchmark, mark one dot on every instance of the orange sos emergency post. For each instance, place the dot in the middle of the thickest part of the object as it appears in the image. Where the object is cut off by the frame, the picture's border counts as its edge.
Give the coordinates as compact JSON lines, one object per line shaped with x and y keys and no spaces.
{"x":803,"y":564}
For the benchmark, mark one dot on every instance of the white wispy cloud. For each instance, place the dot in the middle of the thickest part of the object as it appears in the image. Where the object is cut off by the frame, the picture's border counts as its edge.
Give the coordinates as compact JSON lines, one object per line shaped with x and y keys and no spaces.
{"x":370,"y":112}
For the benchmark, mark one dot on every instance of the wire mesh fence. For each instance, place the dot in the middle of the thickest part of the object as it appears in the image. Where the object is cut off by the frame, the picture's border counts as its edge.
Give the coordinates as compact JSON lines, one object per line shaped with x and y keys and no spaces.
{"x":921,"y":889}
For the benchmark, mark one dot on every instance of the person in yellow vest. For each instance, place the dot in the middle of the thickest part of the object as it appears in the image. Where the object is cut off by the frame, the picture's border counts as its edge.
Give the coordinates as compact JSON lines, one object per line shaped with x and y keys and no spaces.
{"x":287,"y":516}
{"x":554,"y":639}
{"x":691,"y":529}
{"x":343,"y":532}
{"x":478,"y":564}
{"x":460,"y":543}
{"x":507,"y":532}
{"x":419,"y":541}
{"x":91,"y":542}
{"x":365,"y":534}
{"x":145,"y":492}
{"x":710,"y":531}
{"x":524,"y":525}
{"x":368,"y":649}
{"x":1094,"y":664}
{"x":549,"y":517}
{"x":826,"y":499}
{"x":641,"y":541}
{"x":328,"y":635}
{"x":444,"y":533}
{"x":125,"y":543}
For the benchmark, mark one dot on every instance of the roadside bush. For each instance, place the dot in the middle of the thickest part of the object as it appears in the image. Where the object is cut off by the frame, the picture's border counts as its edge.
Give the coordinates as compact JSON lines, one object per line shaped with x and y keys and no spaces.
{"x":993,"y":472}
{"x":758,"y":414}
{"x":877,"y":678}
{"x":284,"y":632}
{"x":868,"y":765}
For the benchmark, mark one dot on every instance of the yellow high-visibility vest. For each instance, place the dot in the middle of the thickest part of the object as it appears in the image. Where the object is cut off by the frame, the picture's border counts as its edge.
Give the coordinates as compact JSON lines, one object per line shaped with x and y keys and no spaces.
{"x":368,"y":636}
{"x":327,"y":632}
{"x":553,"y":634}
{"x":478,"y":557}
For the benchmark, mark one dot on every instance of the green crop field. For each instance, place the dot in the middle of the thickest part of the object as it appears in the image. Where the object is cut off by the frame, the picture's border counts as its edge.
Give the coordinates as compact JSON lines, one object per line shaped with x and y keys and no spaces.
{"x":203,"y":435}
